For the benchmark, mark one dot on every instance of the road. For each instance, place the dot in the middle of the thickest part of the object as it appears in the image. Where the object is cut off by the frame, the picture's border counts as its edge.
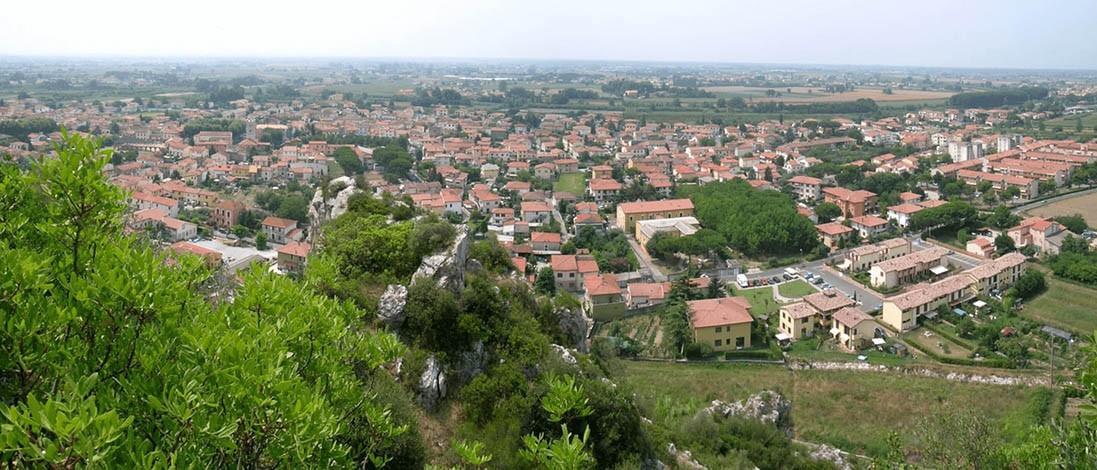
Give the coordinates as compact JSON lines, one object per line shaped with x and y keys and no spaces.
{"x":645,"y":261}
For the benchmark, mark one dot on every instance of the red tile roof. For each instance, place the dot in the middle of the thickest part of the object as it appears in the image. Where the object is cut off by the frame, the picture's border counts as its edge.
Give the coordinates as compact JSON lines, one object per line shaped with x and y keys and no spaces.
{"x":719,"y":311}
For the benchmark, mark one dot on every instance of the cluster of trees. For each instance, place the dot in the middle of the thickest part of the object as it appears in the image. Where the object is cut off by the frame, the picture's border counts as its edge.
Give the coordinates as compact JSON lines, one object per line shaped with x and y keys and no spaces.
{"x":291,"y":202}
{"x":21,"y":128}
{"x":194,"y":126}
{"x":567,"y":94}
{"x":348,"y":161}
{"x":436,"y":96}
{"x":752,"y":221}
{"x":705,"y":242}
{"x":395,"y":162}
{"x":610,"y":249}
{"x":998,"y":97}
{"x":953,"y":214}
{"x":1075,"y":261}
{"x":860,"y":106}
{"x":119,"y":360}
{"x":620,"y":86}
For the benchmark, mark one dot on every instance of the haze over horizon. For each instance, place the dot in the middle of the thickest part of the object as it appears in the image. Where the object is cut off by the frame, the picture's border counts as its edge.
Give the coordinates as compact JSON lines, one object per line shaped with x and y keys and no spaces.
{"x":933,"y":33}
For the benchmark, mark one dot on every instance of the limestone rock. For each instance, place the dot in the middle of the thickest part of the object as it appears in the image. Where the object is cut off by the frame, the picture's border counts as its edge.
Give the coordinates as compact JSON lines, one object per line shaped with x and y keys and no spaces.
{"x":765,"y":406}
{"x":432,"y":384}
{"x":447,"y":267}
{"x":390,"y":307}
{"x":565,"y":355}
{"x":832,"y":455}
{"x":576,"y":326}
{"x":684,"y":458}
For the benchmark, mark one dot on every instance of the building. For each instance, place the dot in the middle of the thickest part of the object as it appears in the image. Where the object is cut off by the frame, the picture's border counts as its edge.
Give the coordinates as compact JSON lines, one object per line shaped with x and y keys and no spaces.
{"x":1046,"y":236}
{"x":868,"y":226}
{"x":628,"y":213}
{"x":806,"y":187}
{"x":279,"y":230}
{"x":674,"y":227}
{"x":833,"y":234}
{"x":536,"y":212}
{"x":827,"y":302}
{"x":981,"y":246}
{"x":644,"y":294}
{"x":998,"y":275}
{"x":603,"y":297}
{"x":293,"y":256}
{"x":864,"y":257}
{"x":854,"y":329}
{"x":798,"y":320}
{"x":212,"y":257}
{"x":852,"y":203}
{"x":226,"y":214}
{"x":545,"y":243}
{"x":1027,"y":188}
{"x":166,"y":227}
{"x":603,"y":190}
{"x":909,"y":268}
{"x":723,"y":323}
{"x":569,"y":270}
{"x":150,"y":201}
{"x":903,"y":213}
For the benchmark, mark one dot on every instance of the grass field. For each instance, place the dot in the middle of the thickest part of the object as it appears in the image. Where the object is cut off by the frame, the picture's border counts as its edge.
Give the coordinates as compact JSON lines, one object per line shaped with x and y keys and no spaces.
{"x":574,"y":183}
{"x":795,"y":289}
{"x":760,"y":298}
{"x":1084,"y":205}
{"x":1089,"y":122}
{"x":1065,"y":305}
{"x":936,"y":343}
{"x":854,"y":411}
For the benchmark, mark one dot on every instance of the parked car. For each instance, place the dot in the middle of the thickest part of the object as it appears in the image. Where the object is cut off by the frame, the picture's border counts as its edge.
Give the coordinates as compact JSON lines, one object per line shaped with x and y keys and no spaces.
{"x":775,"y":279}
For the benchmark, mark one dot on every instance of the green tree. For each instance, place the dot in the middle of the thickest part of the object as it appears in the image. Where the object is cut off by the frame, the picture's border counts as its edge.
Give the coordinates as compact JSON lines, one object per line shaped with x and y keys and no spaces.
{"x":261,"y":241}
{"x":827,"y":212}
{"x":1004,"y":244}
{"x":546,"y":282}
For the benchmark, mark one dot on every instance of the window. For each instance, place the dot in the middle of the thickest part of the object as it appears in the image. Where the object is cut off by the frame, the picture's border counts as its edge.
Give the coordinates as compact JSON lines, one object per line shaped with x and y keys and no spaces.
{"x":740,"y":342}
{"x":718,"y":329}
{"x":717,"y":343}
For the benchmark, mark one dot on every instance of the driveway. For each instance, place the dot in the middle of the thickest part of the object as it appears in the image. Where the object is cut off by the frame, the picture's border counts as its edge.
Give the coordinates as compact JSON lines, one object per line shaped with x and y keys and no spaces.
{"x":645,"y":260}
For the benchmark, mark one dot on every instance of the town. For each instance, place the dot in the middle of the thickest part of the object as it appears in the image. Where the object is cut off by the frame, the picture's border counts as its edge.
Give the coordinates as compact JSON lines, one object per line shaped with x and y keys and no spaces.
{"x":704,"y":230}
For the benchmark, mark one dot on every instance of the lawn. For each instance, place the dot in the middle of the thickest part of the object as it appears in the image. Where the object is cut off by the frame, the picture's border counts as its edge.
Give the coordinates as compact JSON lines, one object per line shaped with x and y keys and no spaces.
{"x":936,"y":343}
{"x":795,"y":289}
{"x":574,"y":183}
{"x":854,"y":411}
{"x":1065,"y":305}
{"x":760,"y":298}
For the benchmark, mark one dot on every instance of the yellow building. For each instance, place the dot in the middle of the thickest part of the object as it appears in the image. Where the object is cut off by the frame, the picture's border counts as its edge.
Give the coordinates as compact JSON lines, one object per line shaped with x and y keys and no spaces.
{"x":723,"y":323}
{"x":630,"y":212}
{"x":798,"y":320}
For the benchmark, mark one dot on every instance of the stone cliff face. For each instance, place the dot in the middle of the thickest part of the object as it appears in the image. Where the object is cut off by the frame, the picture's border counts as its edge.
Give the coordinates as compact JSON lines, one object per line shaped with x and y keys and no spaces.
{"x":447,"y":268}
{"x":321,"y":210}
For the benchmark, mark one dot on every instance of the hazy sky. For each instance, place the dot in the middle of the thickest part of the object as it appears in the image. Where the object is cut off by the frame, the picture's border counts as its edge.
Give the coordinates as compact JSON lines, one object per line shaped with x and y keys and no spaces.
{"x":971,"y":33}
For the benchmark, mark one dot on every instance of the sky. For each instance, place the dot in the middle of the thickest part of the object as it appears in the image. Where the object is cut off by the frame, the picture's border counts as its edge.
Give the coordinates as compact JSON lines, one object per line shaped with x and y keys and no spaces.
{"x":945,"y":33}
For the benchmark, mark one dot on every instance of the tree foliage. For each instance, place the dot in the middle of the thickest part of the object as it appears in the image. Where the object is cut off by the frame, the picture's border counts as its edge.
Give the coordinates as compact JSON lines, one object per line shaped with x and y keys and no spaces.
{"x":753,"y":221}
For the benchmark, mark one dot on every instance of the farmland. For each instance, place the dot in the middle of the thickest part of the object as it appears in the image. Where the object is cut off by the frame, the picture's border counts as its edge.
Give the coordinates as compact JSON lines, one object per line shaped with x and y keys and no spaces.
{"x":1065,"y":305}
{"x":1084,"y":205}
{"x":817,"y":95}
{"x":823,"y":400}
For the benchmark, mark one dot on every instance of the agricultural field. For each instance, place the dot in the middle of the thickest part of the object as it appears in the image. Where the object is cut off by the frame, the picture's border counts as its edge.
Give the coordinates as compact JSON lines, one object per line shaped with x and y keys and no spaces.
{"x":574,"y":183}
{"x":854,"y":411}
{"x":646,"y":330}
{"x":1084,"y":205}
{"x":818,"y":95}
{"x":1068,"y":123}
{"x":936,"y":343}
{"x":1065,"y":305}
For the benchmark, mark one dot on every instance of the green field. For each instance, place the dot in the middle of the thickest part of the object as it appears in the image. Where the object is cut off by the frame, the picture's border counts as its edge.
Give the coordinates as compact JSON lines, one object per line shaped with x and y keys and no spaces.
{"x":1068,"y":123}
{"x":574,"y":183}
{"x":1065,"y":305}
{"x":854,"y":411}
{"x":795,"y":289}
{"x":760,"y":298}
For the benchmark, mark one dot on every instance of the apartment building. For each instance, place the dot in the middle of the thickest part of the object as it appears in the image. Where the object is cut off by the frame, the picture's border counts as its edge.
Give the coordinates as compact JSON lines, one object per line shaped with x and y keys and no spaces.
{"x":909,"y":268}
{"x":723,"y":323}
{"x":806,"y":188}
{"x":628,"y":213}
{"x":852,"y":203}
{"x":864,"y":257}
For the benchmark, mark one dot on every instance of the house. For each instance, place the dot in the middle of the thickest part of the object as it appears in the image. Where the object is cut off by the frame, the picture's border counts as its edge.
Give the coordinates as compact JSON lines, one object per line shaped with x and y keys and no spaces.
{"x":545,"y":243}
{"x":826,"y":303}
{"x":170,"y":228}
{"x":854,"y":329}
{"x":603,"y":297}
{"x":150,"y":201}
{"x":981,"y":246}
{"x":569,"y":270}
{"x":852,"y":203}
{"x":643,"y":294}
{"x":536,"y":212}
{"x":628,"y":213}
{"x":544,"y":171}
{"x":996,"y":276}
{"x":903,"y":213}
{"x":212,"y":258}
{"x":833,"y":234}
{"x":868,"y":226}
{"x":723,"y":323}
{"x":603,"y":190}
{"x":909,"y":268}
{"x":279,"y":230}
{"x":292,"y":256}
{"x":591,"y":220}
{"x":864,"y":257}
{"x":806,"y":187}
{"x":1046,"y":236}
{"x":673,"y":227}
{"x":226,"y":214}
{"x":798,"y":320}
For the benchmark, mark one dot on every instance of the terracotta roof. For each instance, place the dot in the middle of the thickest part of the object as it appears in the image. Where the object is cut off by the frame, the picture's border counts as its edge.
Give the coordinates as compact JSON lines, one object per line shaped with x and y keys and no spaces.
{"x":802,"y":179}
{"x":828,"y":300}
{"x":279,"y":222}
{"x":833,"y":228}
{"x":719,"y":311}
{"x":650,"y":290}
{"x":601,"y":284}
{"x":544,"y":237}
{"x":655,"y":206}
{"x":850,"y":316}
{"x":300,"y":249}
{"x":799,"y":310}
{"x":868,"y":221}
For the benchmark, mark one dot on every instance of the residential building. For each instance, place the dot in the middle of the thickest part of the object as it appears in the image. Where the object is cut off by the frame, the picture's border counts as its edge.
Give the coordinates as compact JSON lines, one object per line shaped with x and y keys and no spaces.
{"x":854,"y":329}
{"x":279,"y":230}
{"x":723,"y":323}
{"x":603,"y":297}
{"x":545,"y":243}
{"x":833,"y":234}
{"x":1046,"y":236}
{"x":569,"y":270}
{"x":628,"y":213}
{"x":868,"y":226}
{"x":909,"y":268}
{"x":864,"y":257}
{"x":603,"y":190}
{"x":644,"y":294}
{"x":798,"y":320}
{"x":852,"y":203}
{"x":536,"y":212}
{"x":293,"y":256}
{"x":674,"y":227}
{"x":226,"y":213}
{"x":806,"y":187}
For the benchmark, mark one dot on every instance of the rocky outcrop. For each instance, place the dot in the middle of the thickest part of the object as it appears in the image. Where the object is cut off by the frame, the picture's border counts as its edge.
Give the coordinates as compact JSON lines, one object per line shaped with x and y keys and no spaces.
{"x":322,"y":210}
{"x":432,"y":384}
{"x":831,"y":455}
{"x":765,"y":406}
{"x":471,"y":363}
{"x":684,"y":458}
{"x":565,"y":355}
{"x":390,"y":307}
{"x":576,"y":327}
{"x":447,"y":268}
{"x":1003,"y":378}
